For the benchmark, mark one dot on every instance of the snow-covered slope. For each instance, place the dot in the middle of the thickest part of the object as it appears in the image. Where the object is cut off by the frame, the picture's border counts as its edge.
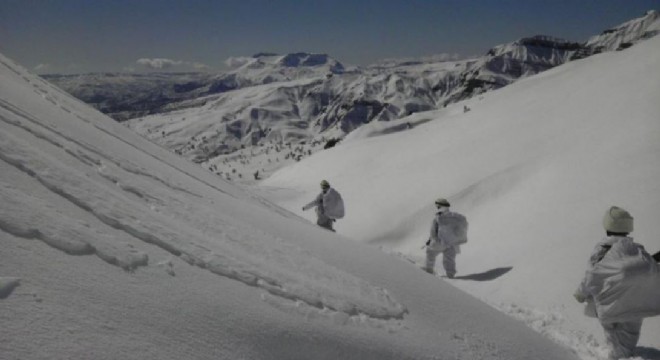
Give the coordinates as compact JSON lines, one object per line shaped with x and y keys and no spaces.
{"x":114,"y":248}
{"x":627,"y":34}
{"x":533,"y":166}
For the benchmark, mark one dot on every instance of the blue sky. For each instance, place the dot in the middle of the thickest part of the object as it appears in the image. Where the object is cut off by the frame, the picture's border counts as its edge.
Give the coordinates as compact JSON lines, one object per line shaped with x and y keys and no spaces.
{"x":74,"y":36}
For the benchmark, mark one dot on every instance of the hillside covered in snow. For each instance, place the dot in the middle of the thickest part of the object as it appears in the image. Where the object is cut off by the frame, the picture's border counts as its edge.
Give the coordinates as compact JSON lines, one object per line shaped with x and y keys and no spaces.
{"x":115,"y":248}
{"x":533,"y":166}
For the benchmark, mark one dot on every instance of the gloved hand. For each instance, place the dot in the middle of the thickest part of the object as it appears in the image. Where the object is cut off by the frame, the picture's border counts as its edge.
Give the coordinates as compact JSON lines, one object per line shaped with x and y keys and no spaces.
{"x":579,"y":297}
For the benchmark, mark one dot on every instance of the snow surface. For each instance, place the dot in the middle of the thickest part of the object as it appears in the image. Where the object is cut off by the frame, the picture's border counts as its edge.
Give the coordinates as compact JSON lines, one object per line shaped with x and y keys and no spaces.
{"x":533,"y":166}
{"x":115,"y":248}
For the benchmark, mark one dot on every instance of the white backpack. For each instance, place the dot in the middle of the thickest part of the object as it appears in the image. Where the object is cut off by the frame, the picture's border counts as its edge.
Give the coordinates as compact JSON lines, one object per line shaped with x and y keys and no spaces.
{"x":452,"y":229}
{"x":333,"y":204}
{"x":625,"y":283}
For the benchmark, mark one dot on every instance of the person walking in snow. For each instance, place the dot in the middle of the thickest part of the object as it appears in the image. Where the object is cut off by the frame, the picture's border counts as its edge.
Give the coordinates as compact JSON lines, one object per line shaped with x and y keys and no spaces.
{"x":620,"y":285}
{"x":329,"y":206}
{"x":448,"y":232}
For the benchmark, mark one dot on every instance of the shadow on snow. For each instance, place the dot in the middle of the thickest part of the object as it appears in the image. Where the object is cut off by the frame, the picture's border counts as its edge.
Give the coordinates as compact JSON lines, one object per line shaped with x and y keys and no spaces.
{"x":647,"y":353}
{"x":486,"y":276}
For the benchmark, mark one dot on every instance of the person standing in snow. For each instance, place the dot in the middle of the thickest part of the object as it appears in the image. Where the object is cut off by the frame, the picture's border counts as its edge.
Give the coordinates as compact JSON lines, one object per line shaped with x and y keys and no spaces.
{"x":620,"y":284}
{"x":448,"y":232}
{"x":329,"y":206}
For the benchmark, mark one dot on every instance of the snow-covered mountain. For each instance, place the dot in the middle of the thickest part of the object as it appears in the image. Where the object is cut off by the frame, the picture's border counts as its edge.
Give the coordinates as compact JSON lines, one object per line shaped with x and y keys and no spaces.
{"x":325,"y":106}
{"x":126,"y":95}
{"x":331,"y":106}
{"x":272,"y":100}
{"x":265,"y":68}
{"x":115,"y":248}
{"x":627,"y":34}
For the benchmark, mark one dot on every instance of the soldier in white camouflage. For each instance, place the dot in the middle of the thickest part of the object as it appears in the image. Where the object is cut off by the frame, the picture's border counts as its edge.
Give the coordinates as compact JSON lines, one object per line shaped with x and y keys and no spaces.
{"x":329,"y":206}
{"x":448,"y":232}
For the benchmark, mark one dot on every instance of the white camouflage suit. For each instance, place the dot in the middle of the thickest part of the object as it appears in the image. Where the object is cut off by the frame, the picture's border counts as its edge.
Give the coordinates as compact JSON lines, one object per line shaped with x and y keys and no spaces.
{"x":622,"y":336}
{"x":436,"y":246}
{"x":322,"y":202}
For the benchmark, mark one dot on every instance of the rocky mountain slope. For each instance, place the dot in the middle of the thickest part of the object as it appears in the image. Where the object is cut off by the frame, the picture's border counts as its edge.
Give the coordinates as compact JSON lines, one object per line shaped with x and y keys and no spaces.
{"x":128,"y":95}
{"x":302,"y":98}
